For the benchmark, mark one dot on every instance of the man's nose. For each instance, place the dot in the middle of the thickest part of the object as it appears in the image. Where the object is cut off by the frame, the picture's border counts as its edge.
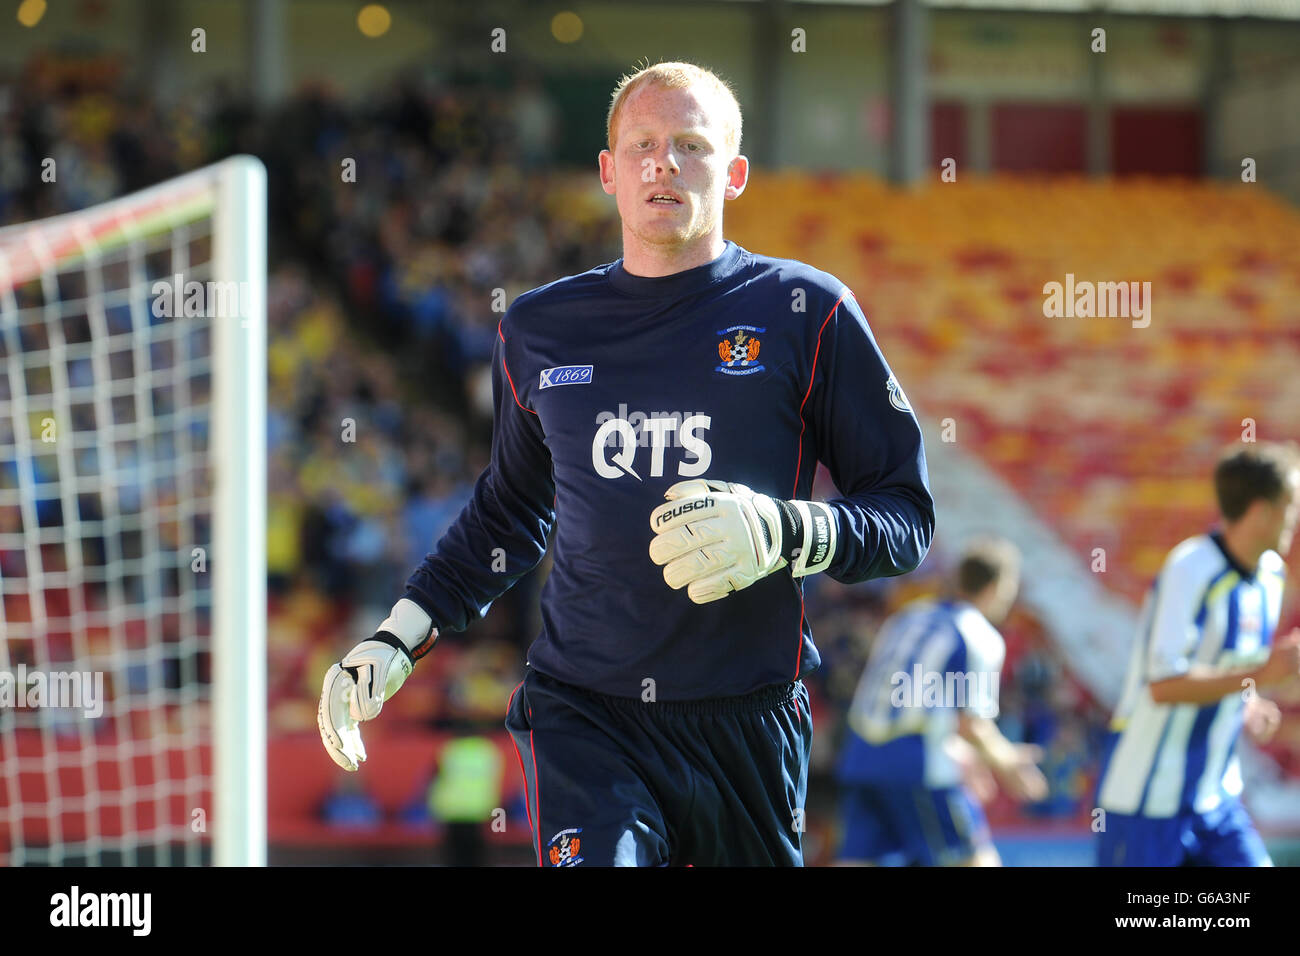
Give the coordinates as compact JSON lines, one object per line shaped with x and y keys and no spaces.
{"x":668,"y":160}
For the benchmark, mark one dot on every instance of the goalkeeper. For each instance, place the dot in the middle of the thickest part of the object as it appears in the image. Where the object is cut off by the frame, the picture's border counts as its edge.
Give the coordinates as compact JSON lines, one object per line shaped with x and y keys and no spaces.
{"x":662,"y":718}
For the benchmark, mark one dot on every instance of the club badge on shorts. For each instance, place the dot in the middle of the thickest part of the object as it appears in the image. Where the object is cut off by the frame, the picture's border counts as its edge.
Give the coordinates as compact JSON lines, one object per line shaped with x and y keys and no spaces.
{"x":564,"y":847}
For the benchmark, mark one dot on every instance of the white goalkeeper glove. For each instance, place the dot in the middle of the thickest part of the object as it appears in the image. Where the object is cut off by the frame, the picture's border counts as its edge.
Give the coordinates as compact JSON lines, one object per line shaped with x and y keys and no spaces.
{"x":356,"y":687}
{"x":715,"y":537}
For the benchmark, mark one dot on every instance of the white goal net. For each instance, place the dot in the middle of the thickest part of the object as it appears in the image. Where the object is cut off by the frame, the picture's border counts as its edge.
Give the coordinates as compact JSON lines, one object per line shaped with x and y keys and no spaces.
{"x":132,"y":528}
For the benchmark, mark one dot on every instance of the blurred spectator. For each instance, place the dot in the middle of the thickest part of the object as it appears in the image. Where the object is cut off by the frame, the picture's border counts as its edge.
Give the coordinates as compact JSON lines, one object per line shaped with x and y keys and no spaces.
{"x":350,"y":806}
{"x":465,"y":794}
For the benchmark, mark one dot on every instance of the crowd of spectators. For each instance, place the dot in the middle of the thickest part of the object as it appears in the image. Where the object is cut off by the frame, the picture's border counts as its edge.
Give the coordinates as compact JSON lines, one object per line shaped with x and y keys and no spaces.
{"x":400,"y":226}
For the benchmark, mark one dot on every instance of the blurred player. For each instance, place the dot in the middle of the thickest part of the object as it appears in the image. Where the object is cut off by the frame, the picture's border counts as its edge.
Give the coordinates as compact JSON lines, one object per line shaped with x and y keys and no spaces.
{"x":919,"y":759}
{"x":1171,"y":786}
{"x":665,"y":413}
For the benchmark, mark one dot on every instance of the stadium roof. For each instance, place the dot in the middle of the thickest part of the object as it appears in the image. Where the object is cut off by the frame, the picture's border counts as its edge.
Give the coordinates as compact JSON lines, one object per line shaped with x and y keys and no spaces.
{"x":1267,"y":9}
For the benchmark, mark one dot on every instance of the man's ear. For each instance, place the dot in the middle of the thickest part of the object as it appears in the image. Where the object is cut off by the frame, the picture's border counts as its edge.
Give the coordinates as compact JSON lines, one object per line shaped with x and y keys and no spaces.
{"x":737,"y":177}
{"x":605,"y":162}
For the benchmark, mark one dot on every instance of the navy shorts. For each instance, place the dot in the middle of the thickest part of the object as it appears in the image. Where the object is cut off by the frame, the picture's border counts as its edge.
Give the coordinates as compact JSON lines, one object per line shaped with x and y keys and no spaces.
{"x":615,"y":781}
{"x":905,"y":825}
{"x":1223,"y":837}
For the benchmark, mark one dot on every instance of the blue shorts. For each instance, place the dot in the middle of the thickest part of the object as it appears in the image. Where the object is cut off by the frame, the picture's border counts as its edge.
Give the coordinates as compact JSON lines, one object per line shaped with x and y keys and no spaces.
{"x":614,"y":781}
{"x":1223,"y":837}
{"x":903,"y":825}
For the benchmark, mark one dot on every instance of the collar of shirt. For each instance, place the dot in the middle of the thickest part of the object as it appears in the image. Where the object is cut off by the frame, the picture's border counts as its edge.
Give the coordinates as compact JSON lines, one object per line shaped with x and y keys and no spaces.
{"x":690,"y":280}
{"x":1247,"y":574}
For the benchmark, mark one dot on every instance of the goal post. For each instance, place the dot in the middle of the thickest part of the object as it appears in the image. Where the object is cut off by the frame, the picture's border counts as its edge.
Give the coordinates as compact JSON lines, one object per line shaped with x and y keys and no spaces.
{"x":239,"y":522}
{"x":132,"y":527}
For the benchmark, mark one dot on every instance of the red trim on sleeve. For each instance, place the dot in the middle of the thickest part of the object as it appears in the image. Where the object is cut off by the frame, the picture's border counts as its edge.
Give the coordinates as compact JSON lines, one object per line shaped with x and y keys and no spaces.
{"x":798,"y":657}
{"x":813,"y":374}
{"x":506,"y":368}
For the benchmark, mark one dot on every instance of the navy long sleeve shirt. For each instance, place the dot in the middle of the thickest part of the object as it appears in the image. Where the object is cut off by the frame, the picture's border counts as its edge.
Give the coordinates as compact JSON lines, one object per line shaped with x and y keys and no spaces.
{"x":611,"y":387}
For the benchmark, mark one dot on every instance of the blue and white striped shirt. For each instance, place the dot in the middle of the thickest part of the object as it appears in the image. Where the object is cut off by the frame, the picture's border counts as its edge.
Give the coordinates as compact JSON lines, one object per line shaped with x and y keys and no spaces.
{"x":931,"y":660}
{"x":1204,"y":609}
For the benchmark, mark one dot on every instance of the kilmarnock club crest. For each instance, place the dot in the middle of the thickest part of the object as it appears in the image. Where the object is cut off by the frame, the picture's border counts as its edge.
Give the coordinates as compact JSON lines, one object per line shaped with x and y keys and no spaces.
{"x":738,"y":349}
{"x":564,"y":847}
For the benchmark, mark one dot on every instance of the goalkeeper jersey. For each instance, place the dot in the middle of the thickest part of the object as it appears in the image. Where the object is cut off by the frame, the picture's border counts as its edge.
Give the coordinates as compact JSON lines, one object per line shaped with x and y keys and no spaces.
{"x":611,"y":387}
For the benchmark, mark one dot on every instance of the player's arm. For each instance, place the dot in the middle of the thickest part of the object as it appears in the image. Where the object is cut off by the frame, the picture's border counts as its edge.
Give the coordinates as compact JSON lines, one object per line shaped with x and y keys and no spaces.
{"x":975,"y":773}
{"x":866,"y":433}
{"x":501,"y":534}
{"x":498,"y":537}
{"x":1014,"y":765}
{"x":1202,"y":685}
{"x":1172,"y":674}
{"x":1261,"y":718}
{"x":714,"y":536}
